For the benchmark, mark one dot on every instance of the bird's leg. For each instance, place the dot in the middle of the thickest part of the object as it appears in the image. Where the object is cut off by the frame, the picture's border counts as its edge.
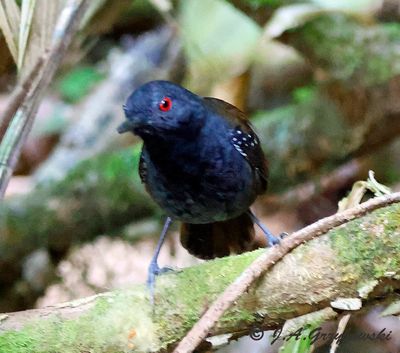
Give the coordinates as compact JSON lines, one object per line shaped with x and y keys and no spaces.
{"x":271,"y":239}
{"x":154,"y":269}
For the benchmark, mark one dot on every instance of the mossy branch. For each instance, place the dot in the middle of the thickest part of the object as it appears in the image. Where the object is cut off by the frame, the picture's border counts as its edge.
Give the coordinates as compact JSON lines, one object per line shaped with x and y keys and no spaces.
{"x":359,"y":259}
{"x":267,"y":260}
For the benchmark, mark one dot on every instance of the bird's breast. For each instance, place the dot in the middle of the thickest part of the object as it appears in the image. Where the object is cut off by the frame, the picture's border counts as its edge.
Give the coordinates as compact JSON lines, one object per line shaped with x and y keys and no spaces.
{"x":201,"y":187}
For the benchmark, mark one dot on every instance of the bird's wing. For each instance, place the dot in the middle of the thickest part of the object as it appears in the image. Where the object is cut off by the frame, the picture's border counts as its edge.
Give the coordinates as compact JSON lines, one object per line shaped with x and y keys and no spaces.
{"x":243,"y":137}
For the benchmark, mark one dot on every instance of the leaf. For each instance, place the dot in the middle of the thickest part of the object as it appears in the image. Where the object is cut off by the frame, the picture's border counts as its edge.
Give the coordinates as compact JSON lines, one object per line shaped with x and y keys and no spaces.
{"x":354,"y":198}
{"x":392,"y":309}
{"x":9,"y":23}
{"x":14,"y":15}
{"x":295,"y":15}
{"x":29,"y":32}
{"x":289,"y":17}
{"x":359,"y":189}
{"x":353,"y":6}
{"x":377,"y":188}
{"x":219,"y":40}
{"x":27,"y":9}
{"x":42,"y":25}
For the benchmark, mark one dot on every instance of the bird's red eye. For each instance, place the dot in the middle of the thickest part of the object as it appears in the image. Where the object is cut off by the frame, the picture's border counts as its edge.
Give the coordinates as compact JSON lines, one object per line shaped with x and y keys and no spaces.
{"x":165,"y":104}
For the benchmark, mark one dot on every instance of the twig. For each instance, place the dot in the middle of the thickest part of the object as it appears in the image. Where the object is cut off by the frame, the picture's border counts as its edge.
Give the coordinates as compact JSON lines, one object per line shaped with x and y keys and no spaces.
{"x":341,"y":327}
{"x":263,"y":263}
{"x":19,"y":94}
{"x":20,"y":126}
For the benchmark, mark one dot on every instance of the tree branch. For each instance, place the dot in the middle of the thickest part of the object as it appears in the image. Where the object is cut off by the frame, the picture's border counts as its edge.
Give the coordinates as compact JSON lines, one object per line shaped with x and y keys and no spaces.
{"x":359,"y":256}
{"x":266,"y":261}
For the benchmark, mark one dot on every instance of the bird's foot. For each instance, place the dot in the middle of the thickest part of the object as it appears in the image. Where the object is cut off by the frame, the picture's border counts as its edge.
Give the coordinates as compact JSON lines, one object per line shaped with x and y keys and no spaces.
{"x":283,"y":235}
{"x":271,"y":239}
{"x":275,"y":240}
{"x":153,"y":271}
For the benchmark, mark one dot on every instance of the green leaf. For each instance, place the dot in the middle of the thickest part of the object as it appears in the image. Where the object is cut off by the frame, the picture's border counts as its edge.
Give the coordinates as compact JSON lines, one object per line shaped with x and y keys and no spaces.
{"x":219,"y":41}
{"x":292,"y":16}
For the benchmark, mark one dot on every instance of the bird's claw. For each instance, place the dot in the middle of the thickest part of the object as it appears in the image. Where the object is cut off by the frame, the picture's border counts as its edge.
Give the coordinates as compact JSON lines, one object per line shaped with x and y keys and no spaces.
{"x":165,"y":270}
{"x":283,"y":235}
{"x":276,"y":240}
{"x":273,"y":240}
{"x":155,"y":270}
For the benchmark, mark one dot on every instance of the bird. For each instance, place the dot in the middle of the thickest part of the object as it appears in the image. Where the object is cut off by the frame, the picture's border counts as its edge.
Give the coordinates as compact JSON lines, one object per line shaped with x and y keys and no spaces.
{"x":202,"y":163}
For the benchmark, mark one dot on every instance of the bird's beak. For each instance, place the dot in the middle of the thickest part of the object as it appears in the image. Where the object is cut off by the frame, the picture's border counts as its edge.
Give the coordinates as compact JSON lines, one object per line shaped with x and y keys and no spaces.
{"x":126,"y":126}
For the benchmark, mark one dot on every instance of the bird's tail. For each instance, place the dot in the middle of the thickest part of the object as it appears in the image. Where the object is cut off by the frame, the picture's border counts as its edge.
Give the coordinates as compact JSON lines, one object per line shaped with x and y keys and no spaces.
{"x":218,"y":239}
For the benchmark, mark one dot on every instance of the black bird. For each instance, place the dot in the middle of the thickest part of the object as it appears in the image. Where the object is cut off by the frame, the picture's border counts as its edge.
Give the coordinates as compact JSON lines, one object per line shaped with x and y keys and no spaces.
{"x":202,"y":163}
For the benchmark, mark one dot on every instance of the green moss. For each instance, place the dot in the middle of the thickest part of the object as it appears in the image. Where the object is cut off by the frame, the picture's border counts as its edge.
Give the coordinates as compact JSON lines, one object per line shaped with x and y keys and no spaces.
{"x":360,"y":252}
{"x":188,"y":292}
{"x":322,"y":136}
{"x":105,"y":327}
{"x":350,"y":51}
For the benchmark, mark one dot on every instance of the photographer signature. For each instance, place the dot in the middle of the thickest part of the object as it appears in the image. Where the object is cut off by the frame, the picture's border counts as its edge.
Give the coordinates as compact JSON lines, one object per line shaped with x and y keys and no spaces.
{"x":314,"y":335}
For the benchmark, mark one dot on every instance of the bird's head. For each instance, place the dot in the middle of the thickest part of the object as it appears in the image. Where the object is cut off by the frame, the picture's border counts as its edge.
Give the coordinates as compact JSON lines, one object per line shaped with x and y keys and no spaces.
{"x":161,"y":109}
